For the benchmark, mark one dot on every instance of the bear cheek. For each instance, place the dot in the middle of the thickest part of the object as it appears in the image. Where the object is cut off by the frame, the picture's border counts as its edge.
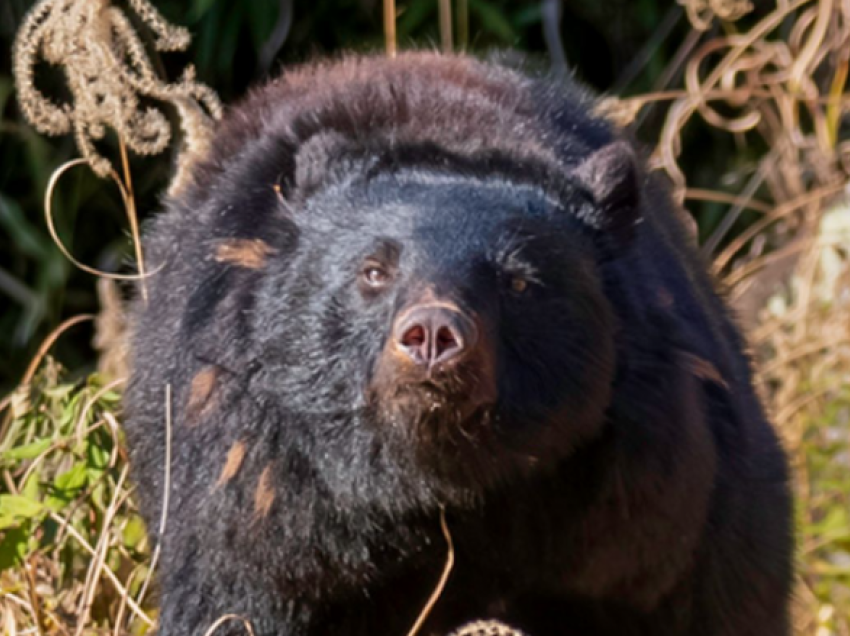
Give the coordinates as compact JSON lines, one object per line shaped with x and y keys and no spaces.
{"x":557,"y":381}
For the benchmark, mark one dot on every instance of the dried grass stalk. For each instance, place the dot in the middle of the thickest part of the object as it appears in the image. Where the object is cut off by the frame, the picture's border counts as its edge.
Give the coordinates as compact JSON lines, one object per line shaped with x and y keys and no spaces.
{"x":108,"y":70}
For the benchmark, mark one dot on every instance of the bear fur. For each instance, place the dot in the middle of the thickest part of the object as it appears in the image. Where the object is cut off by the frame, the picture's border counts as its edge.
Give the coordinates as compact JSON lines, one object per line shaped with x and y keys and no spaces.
{"x":601,"y":459}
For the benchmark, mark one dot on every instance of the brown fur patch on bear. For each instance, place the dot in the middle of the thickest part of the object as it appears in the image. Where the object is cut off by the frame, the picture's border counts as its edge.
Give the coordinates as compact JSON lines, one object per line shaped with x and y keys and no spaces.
{"x":703,"y":369}
{"x":232,"y":464}
{"x":264,"y":494}
{"x":248,"y":253}
{"x":201,"y":394}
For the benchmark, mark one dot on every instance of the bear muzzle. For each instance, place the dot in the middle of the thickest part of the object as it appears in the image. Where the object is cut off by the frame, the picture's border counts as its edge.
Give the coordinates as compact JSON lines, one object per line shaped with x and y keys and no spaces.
{"x":434,"y":336}
{"x":437,"y":358}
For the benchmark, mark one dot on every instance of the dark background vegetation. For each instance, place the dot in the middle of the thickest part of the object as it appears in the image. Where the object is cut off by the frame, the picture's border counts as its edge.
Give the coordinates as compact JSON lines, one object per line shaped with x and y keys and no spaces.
{"x":619,"y":46}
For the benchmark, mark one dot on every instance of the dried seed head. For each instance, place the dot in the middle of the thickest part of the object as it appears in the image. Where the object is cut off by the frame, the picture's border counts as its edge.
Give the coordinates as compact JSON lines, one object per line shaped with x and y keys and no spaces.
{"x":107,"y":70}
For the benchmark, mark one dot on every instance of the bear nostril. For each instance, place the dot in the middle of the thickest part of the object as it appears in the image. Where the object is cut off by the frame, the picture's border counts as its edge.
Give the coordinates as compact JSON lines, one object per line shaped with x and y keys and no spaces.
{"x":445,"y":342}
{"x":414,"y":337}
{"x":432,"y":336}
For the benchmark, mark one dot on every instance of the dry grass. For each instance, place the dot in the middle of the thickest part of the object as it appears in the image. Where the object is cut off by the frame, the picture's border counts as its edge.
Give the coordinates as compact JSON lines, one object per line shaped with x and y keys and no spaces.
{"x":73,"y":555}
{"x":788,"y":272}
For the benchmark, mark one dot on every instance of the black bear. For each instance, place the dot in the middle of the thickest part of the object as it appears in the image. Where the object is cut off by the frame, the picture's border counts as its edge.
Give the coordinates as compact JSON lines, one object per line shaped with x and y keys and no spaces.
{"x":397,"y":289}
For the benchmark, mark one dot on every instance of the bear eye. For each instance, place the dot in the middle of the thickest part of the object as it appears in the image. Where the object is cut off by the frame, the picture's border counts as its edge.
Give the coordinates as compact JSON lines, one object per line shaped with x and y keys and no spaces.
{"x":374,"y":275}
{"x":518,"y":284}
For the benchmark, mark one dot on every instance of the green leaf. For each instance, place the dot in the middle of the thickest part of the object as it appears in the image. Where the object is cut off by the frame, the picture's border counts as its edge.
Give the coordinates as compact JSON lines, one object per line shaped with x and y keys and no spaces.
{"x":15,"y":508}
{"x":13,"y":547}
{"x":28,"y":451}
{"x":835,"y":522}
{"x":199,"y":9}
{"x":261,"y":20}
{"x":414,"y":16}
{"x":134,"y":532}
{"x":73,"y":478}
{"x":98,"y":455}
{"x":98,"y":496}
{"x":66,"y":486}
{"x":59,"y":392}
{"x":493,"y":20}
{"x":31,"y":489}
{"x":24,"y":234}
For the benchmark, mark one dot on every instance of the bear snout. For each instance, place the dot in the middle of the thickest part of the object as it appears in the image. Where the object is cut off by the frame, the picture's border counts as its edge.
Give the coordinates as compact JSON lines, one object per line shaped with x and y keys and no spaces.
{"x":436,"y":360}
{"x":434,"y":336}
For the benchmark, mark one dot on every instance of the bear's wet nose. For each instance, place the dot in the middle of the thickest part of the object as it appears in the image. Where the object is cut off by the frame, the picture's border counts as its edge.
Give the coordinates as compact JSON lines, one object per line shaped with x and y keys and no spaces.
{"x":431,"y":336}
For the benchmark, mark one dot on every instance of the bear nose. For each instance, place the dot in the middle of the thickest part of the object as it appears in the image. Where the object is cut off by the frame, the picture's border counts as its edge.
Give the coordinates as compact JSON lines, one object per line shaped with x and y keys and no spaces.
{"x":431,"y":336}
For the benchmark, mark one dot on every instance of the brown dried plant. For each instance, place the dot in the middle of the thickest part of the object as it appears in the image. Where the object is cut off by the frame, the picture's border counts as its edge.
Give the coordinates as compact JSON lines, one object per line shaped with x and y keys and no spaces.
{"x":772,"y":88}
{"x":777,"y":86}
{"x":802,"y":346}
{"x":487,"y":628}
{"x":701,"y":13}
{"x":787,"y":273}
{"x":108,"y":70}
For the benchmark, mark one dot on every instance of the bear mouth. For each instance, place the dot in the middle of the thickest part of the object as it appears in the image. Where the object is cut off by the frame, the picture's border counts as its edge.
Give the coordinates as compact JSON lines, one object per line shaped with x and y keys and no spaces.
{"x":440,"y":398}
{"x":435,"y":405}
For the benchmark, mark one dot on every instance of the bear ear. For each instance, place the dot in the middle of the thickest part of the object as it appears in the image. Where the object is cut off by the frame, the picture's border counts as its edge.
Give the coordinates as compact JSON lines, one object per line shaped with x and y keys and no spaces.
{"x":314,"y":159}
{"x":610,"y":176}
{"x":321,"y":159}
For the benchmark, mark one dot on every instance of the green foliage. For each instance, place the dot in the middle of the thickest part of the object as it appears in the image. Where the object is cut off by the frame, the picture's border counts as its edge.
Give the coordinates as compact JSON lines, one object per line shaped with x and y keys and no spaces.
{"x":64,"y":499}
{"x":824,"y":511}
